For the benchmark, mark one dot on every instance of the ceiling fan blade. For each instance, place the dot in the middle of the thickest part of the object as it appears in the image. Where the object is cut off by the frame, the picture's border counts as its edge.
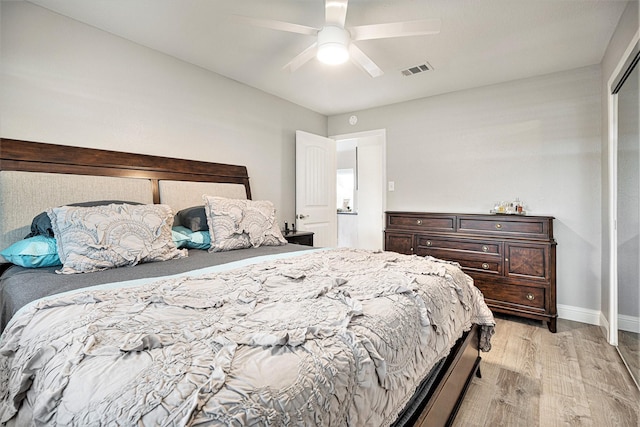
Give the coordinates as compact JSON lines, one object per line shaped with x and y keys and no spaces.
{"x":335,"y":12}
{"x":276,"y":25}
{"x":361,"y":59}
{"x":302,"y":58}
{"x":395,"y":29}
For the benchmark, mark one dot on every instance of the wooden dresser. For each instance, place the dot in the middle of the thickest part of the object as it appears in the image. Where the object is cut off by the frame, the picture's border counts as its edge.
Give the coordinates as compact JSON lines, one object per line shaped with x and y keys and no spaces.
{"x":512,"y":258}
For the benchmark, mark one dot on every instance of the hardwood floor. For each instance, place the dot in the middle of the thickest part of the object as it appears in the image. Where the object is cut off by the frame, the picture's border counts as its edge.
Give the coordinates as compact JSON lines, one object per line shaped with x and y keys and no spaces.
{"x":629,"y":348}
{"x":532,"y":377}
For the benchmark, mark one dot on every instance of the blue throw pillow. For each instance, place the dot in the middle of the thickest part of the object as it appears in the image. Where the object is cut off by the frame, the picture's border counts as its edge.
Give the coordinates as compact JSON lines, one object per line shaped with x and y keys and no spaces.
{"x":179,"y":238}
{"x":34,"y":252}
{"x":196,"y":239}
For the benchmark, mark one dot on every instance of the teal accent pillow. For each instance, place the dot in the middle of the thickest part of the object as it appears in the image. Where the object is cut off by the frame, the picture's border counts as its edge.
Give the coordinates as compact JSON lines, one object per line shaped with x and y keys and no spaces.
{"x":196,"y":239}
{"x":33,"y":252}
{"x":179,"y":239}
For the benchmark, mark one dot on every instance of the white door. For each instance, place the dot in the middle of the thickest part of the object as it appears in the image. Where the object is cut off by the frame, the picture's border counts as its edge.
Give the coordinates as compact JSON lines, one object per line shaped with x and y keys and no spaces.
{"x":316,"y":188}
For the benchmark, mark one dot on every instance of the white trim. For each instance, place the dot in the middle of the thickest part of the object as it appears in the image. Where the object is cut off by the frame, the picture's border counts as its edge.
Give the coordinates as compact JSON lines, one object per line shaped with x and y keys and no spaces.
{"x":363,"y":134}
{"x":629,"y":323}
{"x":612,"y":101}
{"x":579,"y":314}
{"x":612,"y":330}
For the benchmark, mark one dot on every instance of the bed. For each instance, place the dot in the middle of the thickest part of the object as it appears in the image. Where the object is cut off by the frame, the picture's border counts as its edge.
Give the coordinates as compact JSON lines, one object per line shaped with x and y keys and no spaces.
{"x":268,"y":335}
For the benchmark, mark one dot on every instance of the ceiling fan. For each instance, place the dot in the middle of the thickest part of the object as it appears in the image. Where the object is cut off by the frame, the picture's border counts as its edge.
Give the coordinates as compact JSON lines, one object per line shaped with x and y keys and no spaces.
{"x":334,"y":42}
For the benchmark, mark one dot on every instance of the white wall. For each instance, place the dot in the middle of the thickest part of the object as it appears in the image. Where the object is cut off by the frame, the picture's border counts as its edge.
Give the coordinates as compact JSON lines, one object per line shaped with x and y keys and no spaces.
{"x":346,"y":158}
{"x":537,"y":139}
{"x":68,"y":83}
{"x":371,"y":177}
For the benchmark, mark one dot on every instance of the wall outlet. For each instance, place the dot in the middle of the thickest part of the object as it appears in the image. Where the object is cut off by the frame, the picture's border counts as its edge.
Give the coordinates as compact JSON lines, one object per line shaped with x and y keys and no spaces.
{"x":392,"y":186}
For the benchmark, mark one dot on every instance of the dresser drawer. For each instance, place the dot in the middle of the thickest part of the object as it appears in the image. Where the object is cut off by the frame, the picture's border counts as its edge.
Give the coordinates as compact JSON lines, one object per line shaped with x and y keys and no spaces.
{"x":398,"y":242}
{"x":481,"y":266}
{"x":512,"y":294}
{"x":460,"y":245}
{"x":529,"y":227}
{"x":469,"y":261}
{"x":421,"y":222}
{"x":527,"y":261}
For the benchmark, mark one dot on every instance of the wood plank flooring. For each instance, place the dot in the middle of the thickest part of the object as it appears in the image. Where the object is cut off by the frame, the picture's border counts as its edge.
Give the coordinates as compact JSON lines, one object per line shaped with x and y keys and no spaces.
{"x":629,"y":347}
{"x":532,"y":377}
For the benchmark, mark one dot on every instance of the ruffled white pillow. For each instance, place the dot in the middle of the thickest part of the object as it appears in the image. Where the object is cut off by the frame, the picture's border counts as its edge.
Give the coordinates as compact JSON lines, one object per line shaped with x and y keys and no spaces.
{"x":116,"y":235}
{"x":237,"y":223}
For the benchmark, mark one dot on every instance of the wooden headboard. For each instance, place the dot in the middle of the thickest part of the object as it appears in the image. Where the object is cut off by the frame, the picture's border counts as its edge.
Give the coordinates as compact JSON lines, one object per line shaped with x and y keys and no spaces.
{"x":36,"y":176}
{"x":29,"y":156}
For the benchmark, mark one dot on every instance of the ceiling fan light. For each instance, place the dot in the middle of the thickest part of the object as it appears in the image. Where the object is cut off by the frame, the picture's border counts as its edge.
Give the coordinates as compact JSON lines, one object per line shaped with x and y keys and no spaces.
{"x":333,"y":54}
{"x":333,"y":43}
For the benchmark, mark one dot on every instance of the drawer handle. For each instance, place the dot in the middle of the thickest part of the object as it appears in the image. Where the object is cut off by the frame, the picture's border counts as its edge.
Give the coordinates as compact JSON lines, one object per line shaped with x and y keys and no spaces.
{"x":419,"y":222}
{"x":485,"y":265}
{"x":498,"y":226}
{"x":485,"y":249}
{"x":530,"y":296}
{"x":428,"y":242}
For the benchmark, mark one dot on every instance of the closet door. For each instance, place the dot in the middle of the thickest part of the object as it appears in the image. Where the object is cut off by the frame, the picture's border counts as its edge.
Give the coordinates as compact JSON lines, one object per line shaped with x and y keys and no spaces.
{"x":628,"y":220}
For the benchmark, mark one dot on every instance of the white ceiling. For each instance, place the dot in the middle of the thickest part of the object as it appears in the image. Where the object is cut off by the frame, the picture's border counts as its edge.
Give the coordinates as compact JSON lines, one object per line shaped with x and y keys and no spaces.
{"x":481,"y":42}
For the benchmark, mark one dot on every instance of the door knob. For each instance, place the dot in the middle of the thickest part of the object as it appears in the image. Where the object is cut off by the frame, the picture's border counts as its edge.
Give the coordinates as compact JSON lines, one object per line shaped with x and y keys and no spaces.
{"x":302,"y":216}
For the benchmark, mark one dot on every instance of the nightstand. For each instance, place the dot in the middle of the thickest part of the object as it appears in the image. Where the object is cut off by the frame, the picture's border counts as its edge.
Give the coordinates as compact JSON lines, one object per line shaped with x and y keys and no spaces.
{"x":299,"y":237}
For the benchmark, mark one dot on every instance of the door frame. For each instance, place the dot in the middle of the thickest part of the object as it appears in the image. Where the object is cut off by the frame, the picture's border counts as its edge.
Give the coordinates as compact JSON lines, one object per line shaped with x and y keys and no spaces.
{"x":611,"y":324}
{"x":382,"y":134}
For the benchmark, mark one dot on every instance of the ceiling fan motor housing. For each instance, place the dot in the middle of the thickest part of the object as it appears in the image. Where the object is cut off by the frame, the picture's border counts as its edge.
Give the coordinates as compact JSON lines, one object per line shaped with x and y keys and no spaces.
{"x":333,"y":45}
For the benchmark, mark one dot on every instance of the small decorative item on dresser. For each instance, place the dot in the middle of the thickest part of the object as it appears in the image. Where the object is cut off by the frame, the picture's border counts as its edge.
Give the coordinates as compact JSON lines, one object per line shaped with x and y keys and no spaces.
{"x":299,"y":237}
{"x":508,"y":208}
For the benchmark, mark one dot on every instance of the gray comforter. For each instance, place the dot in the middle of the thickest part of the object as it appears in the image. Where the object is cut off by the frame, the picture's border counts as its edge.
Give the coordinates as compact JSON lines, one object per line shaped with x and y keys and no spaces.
{"x":19,"y":286}
{"x":332,"y":337}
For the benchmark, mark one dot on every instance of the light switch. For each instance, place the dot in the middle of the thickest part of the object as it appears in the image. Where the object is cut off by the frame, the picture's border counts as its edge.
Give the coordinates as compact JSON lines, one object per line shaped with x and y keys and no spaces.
{"x":392,"y":186}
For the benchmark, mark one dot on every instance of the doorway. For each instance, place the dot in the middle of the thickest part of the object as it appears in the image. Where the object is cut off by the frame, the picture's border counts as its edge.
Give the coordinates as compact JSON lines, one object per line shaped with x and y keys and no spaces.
{"x":361,"y":195}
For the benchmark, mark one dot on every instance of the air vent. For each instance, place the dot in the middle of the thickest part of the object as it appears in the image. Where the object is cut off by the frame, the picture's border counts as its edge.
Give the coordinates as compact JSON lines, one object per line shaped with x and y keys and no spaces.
{"x":417,"y":69}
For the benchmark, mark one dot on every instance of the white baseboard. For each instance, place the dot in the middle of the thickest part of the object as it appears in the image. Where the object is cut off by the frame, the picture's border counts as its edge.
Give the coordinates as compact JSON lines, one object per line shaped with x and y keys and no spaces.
{"x":579,"y":314}
{"x":595,"y":317}
{"x":629,"y":323}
